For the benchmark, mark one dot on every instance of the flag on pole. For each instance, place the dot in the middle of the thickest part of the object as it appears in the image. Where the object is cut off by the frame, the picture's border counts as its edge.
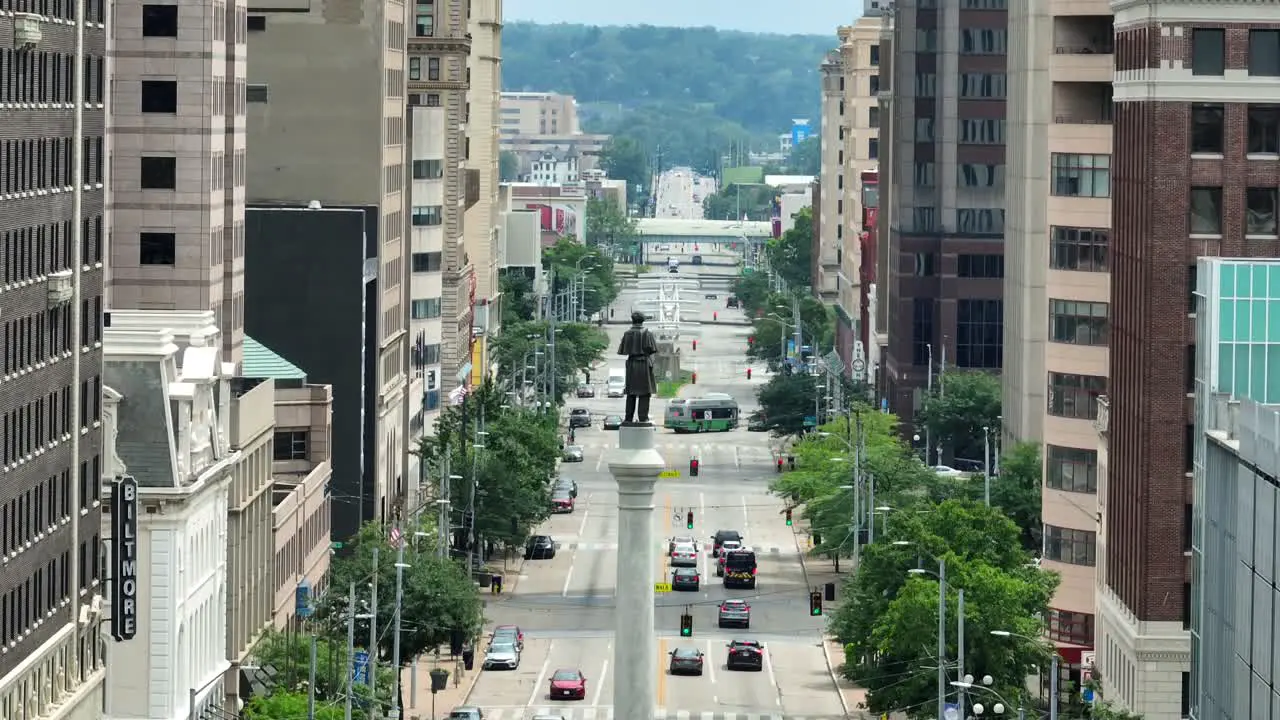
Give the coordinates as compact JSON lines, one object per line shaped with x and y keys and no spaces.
{"x":396,"y":537}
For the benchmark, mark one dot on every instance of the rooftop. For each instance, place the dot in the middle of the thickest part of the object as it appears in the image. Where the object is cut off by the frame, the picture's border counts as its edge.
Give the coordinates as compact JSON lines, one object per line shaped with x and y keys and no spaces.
{"x":261,"y":361}
{"x":703,"y":228}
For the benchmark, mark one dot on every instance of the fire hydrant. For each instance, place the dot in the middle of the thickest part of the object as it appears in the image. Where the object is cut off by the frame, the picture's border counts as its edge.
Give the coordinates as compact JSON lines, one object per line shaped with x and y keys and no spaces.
{"x":748,"y":373}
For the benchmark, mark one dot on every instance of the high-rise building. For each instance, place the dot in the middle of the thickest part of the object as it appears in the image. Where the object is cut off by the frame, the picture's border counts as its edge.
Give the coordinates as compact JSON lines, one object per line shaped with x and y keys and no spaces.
{"x":1057,"y":288}
{"x":945,"y":193}
{"x":331,"y":127}
{"x":52,"y":219}
{"x":178,"y":164}
{"x":438,"y":50}
{"x":539,"y":113}
{"x":1234,"y":546}
{"x":482,"y":229}
{"x":1196,"y":138}
{"x":828,"y":201}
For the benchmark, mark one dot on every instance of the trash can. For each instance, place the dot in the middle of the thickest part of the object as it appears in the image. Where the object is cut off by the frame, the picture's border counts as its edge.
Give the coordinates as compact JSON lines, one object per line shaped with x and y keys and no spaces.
{"x":484,"y":578}
{"x":469,"y":658}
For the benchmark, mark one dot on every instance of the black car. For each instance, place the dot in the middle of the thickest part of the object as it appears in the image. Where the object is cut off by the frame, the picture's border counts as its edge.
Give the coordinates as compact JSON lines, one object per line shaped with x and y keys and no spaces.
{"x":568,"y":485}
{"x":745,"y":655}
{"x":722,"y":535}
{"x":612,"y":422}
{"x":686,"y":661}
{"x":732,"y":301}
{"x":579,"y":417}
{"x":540,"y":547}
{"x":685,"y":578}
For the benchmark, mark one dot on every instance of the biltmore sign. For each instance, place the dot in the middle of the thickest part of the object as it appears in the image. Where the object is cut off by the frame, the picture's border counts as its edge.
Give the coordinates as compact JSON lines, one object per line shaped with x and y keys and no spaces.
{"x":124,"y":557}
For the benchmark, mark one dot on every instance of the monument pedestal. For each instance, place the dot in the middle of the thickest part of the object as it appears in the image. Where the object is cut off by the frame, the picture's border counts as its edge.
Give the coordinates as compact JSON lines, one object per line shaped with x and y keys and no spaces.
{"x":636,"y":465}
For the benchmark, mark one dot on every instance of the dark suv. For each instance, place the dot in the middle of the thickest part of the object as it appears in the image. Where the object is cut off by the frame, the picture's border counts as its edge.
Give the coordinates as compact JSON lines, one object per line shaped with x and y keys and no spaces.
{"x":721,"y":535}
{"x":745,"y":655}
{"x":579,"y":417}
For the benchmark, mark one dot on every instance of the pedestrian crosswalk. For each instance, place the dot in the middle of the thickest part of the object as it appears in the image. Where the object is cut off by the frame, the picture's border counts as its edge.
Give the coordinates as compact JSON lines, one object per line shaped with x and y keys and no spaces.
{"x":711,"y":450}
{"x":605,"y":712}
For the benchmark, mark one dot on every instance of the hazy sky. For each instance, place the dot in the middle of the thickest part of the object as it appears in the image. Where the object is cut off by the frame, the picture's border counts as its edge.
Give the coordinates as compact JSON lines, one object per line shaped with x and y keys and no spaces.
{"x":810,"y":17}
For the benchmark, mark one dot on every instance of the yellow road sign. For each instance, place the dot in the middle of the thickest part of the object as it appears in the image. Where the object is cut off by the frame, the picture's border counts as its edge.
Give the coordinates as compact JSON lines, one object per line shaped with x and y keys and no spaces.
{"x":669,"y":474}
{"x":662,"y":587}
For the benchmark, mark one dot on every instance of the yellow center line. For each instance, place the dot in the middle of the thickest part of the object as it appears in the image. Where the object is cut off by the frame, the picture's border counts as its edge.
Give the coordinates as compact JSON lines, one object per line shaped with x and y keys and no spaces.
{"x":662,"y":673}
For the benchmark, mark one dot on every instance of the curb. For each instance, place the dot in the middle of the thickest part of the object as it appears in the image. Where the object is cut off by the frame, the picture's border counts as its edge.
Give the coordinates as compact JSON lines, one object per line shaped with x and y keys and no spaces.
{"x":826,"y":656}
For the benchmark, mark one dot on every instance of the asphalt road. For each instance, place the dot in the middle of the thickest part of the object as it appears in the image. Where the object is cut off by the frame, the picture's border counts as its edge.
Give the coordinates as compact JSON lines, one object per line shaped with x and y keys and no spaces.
{"x":677,"y":190}
{"x":566,"y":605}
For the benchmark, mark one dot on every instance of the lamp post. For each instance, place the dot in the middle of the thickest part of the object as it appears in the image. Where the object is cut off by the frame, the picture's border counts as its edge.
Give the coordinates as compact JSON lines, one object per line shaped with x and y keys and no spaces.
{"x":967,"y":684}
{"x":986,"y":465}
{"x":942,"y":628}
{"x":1053,"y":669}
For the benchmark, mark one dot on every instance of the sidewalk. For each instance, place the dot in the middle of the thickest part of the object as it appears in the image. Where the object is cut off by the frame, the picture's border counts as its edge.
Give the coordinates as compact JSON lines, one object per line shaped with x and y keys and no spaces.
{"x":817,"y":573}
{"x":417,"y":687}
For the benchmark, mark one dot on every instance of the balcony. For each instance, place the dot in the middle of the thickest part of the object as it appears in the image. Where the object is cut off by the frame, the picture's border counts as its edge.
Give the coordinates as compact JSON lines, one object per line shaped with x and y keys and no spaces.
{"x":1082,"y":49}
{"x":1082,"y":103}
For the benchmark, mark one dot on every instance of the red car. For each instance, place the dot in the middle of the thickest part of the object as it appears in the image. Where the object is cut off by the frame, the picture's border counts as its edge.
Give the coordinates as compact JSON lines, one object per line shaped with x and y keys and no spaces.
{"x":568,"y":685}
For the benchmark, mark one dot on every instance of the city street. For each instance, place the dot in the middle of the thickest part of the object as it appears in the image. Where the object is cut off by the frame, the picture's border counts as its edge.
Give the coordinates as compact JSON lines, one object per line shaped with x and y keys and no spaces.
{"x":566,"y":605}
{"x":681,"y":192}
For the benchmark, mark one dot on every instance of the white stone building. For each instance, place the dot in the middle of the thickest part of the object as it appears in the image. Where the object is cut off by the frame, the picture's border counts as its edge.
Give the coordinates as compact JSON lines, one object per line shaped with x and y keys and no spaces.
{"x":167,"y":412}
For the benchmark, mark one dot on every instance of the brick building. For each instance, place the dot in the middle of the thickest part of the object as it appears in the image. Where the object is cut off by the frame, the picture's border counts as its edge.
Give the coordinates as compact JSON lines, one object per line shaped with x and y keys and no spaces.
{"x":1196,"y":168}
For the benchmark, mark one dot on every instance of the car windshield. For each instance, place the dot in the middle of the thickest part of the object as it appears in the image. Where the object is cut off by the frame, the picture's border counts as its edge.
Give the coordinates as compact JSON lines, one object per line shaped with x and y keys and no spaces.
{"x":503,"y":647}
{"x":566,"y":675}
{"x":684,"y":547}
{"x":574,"y":449}
{"x":578,"y":411}
{"x":733,"y":604}
{"x":560,"y":495}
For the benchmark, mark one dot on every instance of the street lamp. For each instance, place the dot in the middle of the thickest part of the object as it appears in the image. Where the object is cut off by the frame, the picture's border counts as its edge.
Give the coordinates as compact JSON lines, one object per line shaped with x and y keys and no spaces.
{"x":942,"y":626}
{"x":967,"y":684}
{"x":1053,"y":669}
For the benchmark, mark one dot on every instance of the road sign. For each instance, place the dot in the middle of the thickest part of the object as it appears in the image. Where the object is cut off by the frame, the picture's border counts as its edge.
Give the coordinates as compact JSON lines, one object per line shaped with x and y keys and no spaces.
{"x":810,"y":421}
{"x":360,"y":668}
{"x":669,"y":474}
{"x":662,"y":587}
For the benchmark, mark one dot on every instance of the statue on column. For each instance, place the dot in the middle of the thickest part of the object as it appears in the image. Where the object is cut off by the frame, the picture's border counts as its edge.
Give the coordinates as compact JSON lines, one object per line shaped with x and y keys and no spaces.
{"x":638,"y":346}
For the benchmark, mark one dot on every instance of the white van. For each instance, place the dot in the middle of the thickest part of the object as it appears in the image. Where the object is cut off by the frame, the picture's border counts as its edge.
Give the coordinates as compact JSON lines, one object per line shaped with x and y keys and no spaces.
{"x":617,"y":384}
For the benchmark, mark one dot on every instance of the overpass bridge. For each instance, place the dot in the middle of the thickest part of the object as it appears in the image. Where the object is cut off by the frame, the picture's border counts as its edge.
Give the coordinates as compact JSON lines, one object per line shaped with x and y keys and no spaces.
{"x":711,"y":239}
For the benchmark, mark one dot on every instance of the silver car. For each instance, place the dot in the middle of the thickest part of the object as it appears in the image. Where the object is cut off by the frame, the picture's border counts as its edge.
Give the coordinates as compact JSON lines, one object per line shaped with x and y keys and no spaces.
{"x":502,"y":656}
{"x":735,"y":613}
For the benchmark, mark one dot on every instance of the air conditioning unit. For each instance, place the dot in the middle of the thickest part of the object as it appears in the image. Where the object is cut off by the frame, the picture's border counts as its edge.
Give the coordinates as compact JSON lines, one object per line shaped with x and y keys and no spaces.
{"x":60,"y":289}
{"x":26,"y":31}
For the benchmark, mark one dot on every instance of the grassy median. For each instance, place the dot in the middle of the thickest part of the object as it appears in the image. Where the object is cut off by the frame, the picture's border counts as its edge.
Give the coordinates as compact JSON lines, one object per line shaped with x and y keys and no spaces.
{"x":671,"y":388}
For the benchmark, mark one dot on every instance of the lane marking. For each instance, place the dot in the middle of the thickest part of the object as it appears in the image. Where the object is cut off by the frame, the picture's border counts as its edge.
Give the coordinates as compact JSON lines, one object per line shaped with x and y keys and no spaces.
{"x":662,"y":672}
{"x":542,"y":675}
{"x":568,"y":577}
{"x":604,"y":671}
{"x":768,"y":668}
{"x":704,"y":568}
{"x":599,"y":460}
{"x":737,"y":459}
{"x":746,"y":517}
{"x":582,"y":529}
{"x":711,"y":668}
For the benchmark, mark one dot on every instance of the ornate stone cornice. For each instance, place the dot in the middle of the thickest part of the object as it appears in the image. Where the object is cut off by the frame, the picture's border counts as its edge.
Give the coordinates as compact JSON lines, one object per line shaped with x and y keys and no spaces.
{"x":439,"y":45}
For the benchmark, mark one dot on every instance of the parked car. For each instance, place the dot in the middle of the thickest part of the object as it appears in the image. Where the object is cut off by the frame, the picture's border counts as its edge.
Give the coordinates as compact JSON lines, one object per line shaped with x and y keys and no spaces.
{"x":612,"y":422}
{"x":572,"y":453}
{"x":757,"y":423}
{"x":466,"y":712}
{"x":686,"y":660}
{"x":568,"y":685}
{"x":540,"y":547}
{"x":586,"y":391}
{"x":562,"y":502}
{"x":502,"y":656}
{"x":579,"y":417}
{"x":567,"y":484}
{"x":508,"y":633}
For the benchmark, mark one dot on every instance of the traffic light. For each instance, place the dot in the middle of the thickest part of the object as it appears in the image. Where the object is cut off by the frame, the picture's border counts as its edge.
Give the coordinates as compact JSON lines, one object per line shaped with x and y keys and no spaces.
{"x":688,"y":519}
{"x":815,"y":603}
{"x":751,"y":339}
{"x":788,"y":517}
{"x":694,"y":466}
{"x":686,"y":625}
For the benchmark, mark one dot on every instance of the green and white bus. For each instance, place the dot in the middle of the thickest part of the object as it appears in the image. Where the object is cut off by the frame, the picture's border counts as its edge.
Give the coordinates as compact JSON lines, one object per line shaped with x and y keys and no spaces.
{"x":714,"y":413}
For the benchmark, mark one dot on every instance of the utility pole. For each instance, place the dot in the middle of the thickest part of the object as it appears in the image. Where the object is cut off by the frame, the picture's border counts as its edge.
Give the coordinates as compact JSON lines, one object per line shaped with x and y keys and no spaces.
{"x":928,"y":439}
{"x":986,"y":464}
{"x":351,"y":650}
{"x":471,"y":493}
{"x":942,"y":639}
{"x":373,"y":640}
{"x":311,"y":682}
{"x":551,"y":367}
{"x":857,"y":492}
{"x":395,"y":641}
{"x":442,"y":532}
{"x":964,"y":696}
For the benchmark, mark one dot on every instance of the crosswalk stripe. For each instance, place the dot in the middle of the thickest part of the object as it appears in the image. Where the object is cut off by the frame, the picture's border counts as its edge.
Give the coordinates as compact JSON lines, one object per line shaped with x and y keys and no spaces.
{"x":606,"y":712}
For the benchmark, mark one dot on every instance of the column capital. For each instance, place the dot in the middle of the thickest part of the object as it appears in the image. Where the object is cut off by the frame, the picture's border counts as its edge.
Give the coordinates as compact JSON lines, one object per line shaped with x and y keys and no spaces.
{"x":637,"y":458}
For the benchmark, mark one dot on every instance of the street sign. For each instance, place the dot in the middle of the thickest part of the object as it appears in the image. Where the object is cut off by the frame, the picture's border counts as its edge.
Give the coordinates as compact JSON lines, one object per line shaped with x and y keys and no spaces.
{"x":833,"y":362}
{"x":360,"y":668}
{"x":669,"y":474}
{"x":662,"y":587}
{"x":810,"y":421}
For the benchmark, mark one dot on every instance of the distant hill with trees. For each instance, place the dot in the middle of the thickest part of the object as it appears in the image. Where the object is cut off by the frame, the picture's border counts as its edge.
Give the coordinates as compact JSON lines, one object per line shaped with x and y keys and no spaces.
{"x":693,"y":91}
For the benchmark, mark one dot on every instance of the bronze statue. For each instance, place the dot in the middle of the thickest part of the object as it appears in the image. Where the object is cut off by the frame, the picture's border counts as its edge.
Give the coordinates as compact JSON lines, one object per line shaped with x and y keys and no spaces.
{"x":639,"y":346}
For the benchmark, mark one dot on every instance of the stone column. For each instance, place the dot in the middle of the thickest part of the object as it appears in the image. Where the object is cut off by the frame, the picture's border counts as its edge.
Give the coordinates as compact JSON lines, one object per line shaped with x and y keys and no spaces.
{"x":636,"y":466}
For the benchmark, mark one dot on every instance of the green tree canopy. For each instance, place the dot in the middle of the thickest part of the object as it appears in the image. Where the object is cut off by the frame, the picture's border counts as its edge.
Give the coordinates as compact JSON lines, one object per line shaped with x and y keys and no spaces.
{"x":753,"y":292}
{"x":569,"y":259}
{"x":791,"y":256}
{"x":806,"y":158}
{"x":578,"y":347}
{"x":438,"y":594}
{"x":519,"y":301}
{"x":508,"y":166}
{"x":786,"y":400}
{"x":608,"y":226}
{"x":289,"y":655}
{"x":961,"y":405}
{"x":771,"y":331}
{"x":732,"y":202}
{"x":282,"y":705}
{"x":888,"y":618}
{"x":623,"y":158}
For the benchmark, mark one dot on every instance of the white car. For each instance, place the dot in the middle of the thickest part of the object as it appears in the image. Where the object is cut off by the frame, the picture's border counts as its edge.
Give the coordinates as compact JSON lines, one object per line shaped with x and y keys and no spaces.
{"x":684,"y":555}
{"x":728,"y":545}
{"x":502,"y":656}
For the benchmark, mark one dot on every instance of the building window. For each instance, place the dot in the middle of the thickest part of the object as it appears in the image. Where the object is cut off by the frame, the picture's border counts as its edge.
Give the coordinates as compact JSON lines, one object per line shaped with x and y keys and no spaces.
{"x":875,"y":85}
{"x":1071,"y":469}
{"x":1208,"y":51}
{"x":1077,"y":323}
{"x":982,"y":131}
{"x":873,"y":148}
{"x":290,"y":445}
{"x":1264,"y":130}
{"x":257,"y":93}
{"x":1260,"y":211}
{"x":980,"y":266}
{"x":256,"y":23}
{"x":980,"y":334}
{"x":1081,"y":175}
{"x":926,"y":84}
{"x":427,"y":215}
{"x":160,"y":21}
{"x":428,"y":169}
{"x":426,"y":262}
{"x":1075,"y":628}
{"x":159,"y":173}
{"x":924,"y":265}
{"x":984,"y":85}
{"x":425,"y":309}
{"x":160,"y":96}
{"x":415,"y":68}
{"x":983,"y":41}
{"x":1206,"y":211}
{"x":424,"y":23}
{"x":979,"y":221}
{"x":875,"y":55}
{"x":873,"y":117}
{"x":157,"y":248}
{"x":1207,"y":128}
{"x":433,"y":68}
{"x":921,"y":330}
{"x":1080,"y":249}
{"x":1075,"y":396}
{"x":1264,"y":53}
{"x":925,"y":174}
{"x":1075,"y":547}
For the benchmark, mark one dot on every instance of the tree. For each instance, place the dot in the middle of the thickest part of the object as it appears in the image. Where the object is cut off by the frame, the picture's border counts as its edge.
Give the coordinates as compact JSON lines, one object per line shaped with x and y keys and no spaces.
{"x":961,"y":405}
{"x":578,"y":347}
{"x":888,"y":618}
{"x":1100,"y":709}
{"x":519,"y":302}
{"x":289,"y":656}
{"x":289,"y":706}
{"x":791,"y":255}
{"x":753,"y":292}
{"x":733,"y":201}
{"x":806,"y":158}
{"x":568,"y":259}
{"x":786,"y":400}
{"x":624,"y":158}
{"x":773,"y":331}
{"x":508,"y":166}
{"x":608,"y":226}
{"x":1016,"y":490}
